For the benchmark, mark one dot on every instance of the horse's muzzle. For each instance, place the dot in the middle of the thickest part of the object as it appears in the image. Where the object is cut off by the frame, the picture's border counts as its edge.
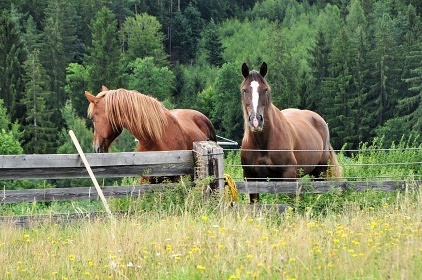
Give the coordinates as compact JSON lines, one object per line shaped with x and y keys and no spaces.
{"x":98,"y":149}
{"x":256,"y":122}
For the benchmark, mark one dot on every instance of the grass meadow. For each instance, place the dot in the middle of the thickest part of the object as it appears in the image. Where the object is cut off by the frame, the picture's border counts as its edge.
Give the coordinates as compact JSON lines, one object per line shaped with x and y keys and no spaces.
{"x":176,"y":234}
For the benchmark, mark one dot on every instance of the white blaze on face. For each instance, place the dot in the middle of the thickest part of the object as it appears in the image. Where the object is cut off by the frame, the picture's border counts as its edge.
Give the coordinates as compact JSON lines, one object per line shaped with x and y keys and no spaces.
{"x":255,"y":95}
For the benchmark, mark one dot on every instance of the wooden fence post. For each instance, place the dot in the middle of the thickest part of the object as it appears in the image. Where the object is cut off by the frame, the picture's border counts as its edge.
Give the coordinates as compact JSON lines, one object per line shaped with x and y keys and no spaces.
{"x":209,"y":159}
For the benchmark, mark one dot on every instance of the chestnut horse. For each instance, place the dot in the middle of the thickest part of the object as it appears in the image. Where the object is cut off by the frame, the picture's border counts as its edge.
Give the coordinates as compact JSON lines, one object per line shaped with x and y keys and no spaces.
{"x":281,"y":145}
{"x":155,"y":127}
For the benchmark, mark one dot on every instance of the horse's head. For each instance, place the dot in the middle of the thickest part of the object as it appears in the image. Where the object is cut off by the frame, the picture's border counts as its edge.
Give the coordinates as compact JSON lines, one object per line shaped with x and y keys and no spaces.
{"x":104,"y":131}
{"x":256,"y":94}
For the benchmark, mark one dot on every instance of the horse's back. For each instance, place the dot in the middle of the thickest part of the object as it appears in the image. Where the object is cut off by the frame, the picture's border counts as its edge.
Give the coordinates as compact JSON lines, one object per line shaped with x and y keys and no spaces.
{"x":311,"y":133}
{"x":196,"y":124}
{"x":307,"y":122}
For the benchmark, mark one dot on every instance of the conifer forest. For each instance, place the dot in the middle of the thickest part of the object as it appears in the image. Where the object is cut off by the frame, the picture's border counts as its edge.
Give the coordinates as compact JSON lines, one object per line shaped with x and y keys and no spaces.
{"x":358,"y":63}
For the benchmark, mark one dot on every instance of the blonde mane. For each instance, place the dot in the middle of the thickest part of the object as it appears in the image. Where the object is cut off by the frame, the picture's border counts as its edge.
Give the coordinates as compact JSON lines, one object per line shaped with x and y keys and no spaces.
{"x":142,"y":114}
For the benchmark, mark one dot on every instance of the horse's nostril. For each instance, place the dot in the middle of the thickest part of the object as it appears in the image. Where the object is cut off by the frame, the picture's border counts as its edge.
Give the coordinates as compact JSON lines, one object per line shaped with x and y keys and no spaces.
{"x":261,"y":118}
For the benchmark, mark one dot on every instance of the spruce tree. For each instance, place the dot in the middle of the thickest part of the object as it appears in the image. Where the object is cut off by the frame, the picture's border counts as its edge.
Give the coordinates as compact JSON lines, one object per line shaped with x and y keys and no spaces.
{"x":410,"y":106}
{"x":228,"y":123}
{"x":58,"y":50}
{"x":319,"y":70}
{"x":103,"y":62}
{"x":213,"y":45}
{"x":338,"y":96}
{"x":414,"y":102}
{"x":77,"y":80}
{"x":357,"y":28}
{"x":40,"y":132}
{"x":12,"y":57}
{"x":283,"y":71}
{"x":383,"y":89}
{"x":186,"y":32}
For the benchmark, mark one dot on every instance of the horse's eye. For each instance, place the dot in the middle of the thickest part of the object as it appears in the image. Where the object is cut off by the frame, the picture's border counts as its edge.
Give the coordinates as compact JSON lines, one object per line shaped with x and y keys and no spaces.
{"x":244,"y":91}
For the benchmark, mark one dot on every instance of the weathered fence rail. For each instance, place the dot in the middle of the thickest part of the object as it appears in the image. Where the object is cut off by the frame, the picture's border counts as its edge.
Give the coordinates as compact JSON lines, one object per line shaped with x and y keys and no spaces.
{"x":206,"y":159}
{"x":110,"y":165}
{"x":90,"y":193}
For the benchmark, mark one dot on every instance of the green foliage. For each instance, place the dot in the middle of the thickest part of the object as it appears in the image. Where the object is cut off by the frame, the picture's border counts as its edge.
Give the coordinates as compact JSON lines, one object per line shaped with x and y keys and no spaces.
{"x":233,"y":31}
{"x":143,"y":37}
{"x":9,"y":133}
{"x":77,"y":81}
{"x":9,"y":145}
{"x":39,"y":130}
{"x":402,"y":162}
{"x":148,"y":78}
{"x":213,"y":46}
{"x":57,"y":50}
{"x":369,"y":84}
{"x":12,"y":56}
{"x":103,"y":63}
{"x":228,"y":123}
{"x":66,"y":146}
{"x":78,"y":125}
{"x":188,"y":25}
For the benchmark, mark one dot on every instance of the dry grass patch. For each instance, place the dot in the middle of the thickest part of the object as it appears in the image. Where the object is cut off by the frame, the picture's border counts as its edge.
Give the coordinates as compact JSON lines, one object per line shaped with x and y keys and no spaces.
{"x":225,"y":243}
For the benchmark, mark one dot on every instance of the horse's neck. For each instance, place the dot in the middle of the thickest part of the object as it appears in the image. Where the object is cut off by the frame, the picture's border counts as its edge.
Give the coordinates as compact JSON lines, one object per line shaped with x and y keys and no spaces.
{"x":275,"y":123}
{"x":146,"y":138}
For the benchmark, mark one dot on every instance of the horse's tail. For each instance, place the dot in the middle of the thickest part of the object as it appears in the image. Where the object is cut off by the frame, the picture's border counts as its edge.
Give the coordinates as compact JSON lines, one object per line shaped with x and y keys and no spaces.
{"x":212,"y":134}
{"x":334,"y":170}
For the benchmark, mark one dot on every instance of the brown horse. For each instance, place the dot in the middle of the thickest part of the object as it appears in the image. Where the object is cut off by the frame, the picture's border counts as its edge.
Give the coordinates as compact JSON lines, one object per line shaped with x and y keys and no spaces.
{"x":155,"y":127}
{"x":282,"y":145}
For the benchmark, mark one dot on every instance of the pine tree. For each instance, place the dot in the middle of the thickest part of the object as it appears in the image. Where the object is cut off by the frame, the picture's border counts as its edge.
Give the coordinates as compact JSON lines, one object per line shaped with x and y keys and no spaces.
{"x":410,"y":106}
{"x":319,"y":70}
{"x":357,"y":27}
{"x":79,"y":127}
{"x":77,"y":80}
{"x":338,"y":95}
{"x":40,"y":132}
{"x":283,"y":73}
{"x":58,"y":50}
{"x":414,"y":102}
{"x":32,"y":36}
{"x":382,"y":92}
{"x":103,"y":63}
{"x":12,"y":56}
{"x":187,"y":27}
{"x":213,"y":45}
{"x":228,"y":123}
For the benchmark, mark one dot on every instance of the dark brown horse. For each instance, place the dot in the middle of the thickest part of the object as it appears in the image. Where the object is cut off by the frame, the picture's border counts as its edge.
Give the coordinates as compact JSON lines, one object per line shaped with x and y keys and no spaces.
{"x":282,"y":145}
{"x":155,"y":127}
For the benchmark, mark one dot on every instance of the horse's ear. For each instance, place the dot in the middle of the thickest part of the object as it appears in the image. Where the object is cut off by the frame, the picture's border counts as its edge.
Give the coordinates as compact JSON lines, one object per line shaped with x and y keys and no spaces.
{"x":264,"y":69}
{"x":104,"y":88}
{"x":245,"y":70}
{"x":91,"y":98}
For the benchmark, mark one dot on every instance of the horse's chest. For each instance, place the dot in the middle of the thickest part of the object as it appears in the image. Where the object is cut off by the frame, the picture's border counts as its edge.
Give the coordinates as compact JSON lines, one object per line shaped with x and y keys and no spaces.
{"x":264,"y":164}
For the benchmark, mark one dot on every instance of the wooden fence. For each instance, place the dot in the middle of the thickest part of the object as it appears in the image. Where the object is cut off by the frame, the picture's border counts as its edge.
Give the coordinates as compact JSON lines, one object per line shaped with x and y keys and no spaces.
{"x":206,"y":159}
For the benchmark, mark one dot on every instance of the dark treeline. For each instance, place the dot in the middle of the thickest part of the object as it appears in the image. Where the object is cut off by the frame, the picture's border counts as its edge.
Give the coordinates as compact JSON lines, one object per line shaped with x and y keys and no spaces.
{"x":358,"y":63}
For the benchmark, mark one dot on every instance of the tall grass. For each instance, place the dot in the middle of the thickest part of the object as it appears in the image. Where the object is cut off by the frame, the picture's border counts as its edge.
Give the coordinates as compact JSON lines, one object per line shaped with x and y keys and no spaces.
{"x":207,"y":239}
{"x":177,"y":234}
